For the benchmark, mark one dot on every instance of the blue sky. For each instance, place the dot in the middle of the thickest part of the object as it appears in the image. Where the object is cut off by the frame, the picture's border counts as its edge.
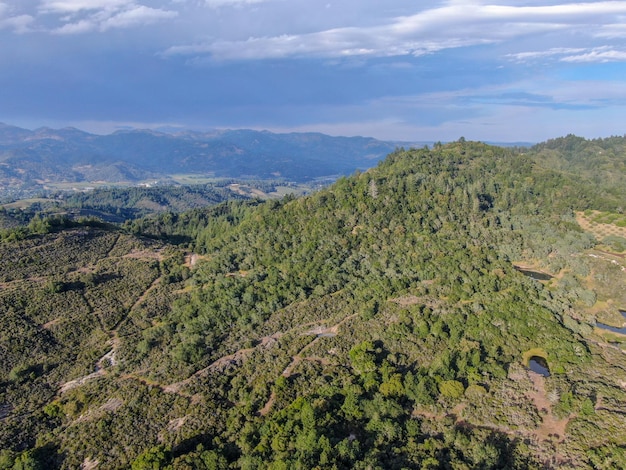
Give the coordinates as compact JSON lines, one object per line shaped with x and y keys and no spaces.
{"x":396,"y":69}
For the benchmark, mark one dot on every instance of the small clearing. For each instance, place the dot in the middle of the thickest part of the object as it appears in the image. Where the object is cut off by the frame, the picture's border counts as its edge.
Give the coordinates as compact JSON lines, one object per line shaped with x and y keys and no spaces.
{"x":600,"y":230}
{"x":192,"y":259}
{"x":550,"y":425}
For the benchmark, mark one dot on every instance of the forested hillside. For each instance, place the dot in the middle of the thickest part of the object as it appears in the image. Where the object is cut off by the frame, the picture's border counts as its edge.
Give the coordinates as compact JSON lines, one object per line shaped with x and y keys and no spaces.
{"x":389,"y":321}
{"x":124,"y":204}
{"x":602,"y":161}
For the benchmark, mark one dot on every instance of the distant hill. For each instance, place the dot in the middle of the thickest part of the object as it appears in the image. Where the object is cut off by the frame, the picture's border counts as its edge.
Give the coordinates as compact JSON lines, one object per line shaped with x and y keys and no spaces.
{"x":30,"y":159}
{"x":122,"y":204}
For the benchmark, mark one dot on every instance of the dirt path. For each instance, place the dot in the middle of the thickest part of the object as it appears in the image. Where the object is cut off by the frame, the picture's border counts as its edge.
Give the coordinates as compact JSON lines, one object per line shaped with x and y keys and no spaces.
{"x":265,"y":342}
{"x":551,"y":427}
{"x":268,"y":405}
{"x":108,"y":359}
{"x":113,"y":245}
{"x":67,"y":386}
{"x":222,"y":363}
{"x":17,"y":282}
{"x":51,"y":323}
{"x":319,"y":332}
{"x":612,"y":261}
{"x":143,"y":296}
{"x":146,"y":254}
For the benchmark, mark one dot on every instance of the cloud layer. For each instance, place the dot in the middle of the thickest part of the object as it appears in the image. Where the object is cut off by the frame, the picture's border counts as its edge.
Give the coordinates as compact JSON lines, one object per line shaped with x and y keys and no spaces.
{"x":430,"y":70}
{"x":456,"y":24}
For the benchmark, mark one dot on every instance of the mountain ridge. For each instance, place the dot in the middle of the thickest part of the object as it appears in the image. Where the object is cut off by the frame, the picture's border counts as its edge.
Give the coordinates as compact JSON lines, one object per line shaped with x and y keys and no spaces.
{"x":39,"y":154}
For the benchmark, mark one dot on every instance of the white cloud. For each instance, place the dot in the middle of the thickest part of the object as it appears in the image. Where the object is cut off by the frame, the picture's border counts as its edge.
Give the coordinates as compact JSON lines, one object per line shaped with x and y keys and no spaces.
{"x":612,"y":31}
{"x":535,"y":92}
{"x":79,"y":27}
{"x":136,"y":16}
{"x":17,"y":23}
{"x":604,"y":54}
{"x":82,"y":16}
{"x":552,"y":52}
{"x":74,"y":6}
{"x":597,"y":54}
{"x":456,"y":24}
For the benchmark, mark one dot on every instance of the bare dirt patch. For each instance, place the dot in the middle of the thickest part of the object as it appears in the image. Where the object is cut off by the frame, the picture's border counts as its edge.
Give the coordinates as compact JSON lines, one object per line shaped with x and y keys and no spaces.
{"x":67,"y":386}
{"x":323,"y":331}
{"x":551,"y":426}
{"x":51,"y":323}
{"x":145,"y":254}
{"x":89,"y":464}
{"x":106,"y":361}
{"x":175,"y":424}
{"x":192,"y":259}
{"x":268,"y":405}
{"x":112,"y":405}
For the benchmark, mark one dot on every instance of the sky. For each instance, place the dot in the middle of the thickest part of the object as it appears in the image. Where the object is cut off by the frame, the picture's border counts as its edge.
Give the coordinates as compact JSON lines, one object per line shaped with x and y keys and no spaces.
{"x":404,"y":70}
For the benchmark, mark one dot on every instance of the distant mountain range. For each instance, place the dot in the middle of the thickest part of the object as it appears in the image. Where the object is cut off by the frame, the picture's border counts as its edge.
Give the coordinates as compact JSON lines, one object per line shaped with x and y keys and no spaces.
{"x":32,"y":158}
